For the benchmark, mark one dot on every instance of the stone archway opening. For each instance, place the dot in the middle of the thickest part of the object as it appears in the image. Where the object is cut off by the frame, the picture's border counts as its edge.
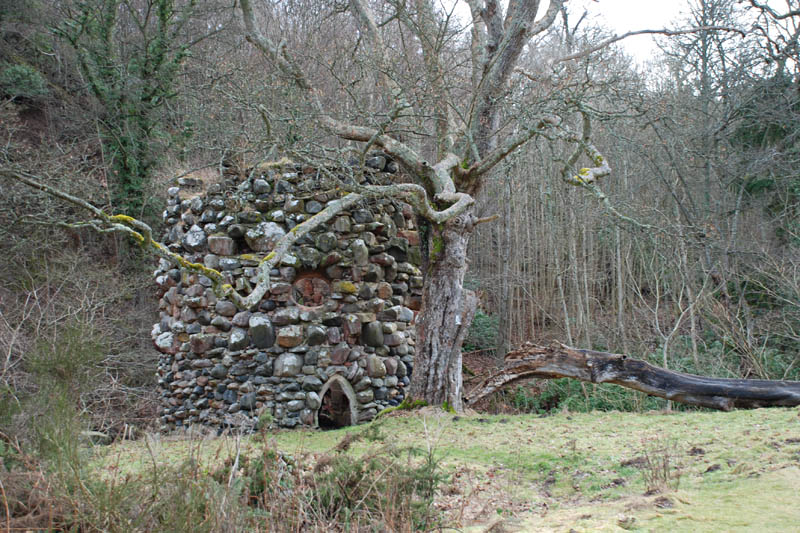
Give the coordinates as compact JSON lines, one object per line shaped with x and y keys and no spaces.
{"x":338,"y":405}
{"x":334,"y":413}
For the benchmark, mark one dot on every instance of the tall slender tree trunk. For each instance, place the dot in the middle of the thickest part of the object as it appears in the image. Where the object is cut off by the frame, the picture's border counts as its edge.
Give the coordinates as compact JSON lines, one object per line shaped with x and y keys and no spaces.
{"x":586,"y":245}
{"x":504,"y":261}
{"x":580,"y":320}
{"x":447,"y":311}
{"x":562,"y":295}
{"x":620,"y":289}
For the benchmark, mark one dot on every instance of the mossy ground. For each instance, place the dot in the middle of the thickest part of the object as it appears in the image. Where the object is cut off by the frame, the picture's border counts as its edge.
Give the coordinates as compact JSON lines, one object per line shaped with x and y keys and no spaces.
{"x":737,"y":471}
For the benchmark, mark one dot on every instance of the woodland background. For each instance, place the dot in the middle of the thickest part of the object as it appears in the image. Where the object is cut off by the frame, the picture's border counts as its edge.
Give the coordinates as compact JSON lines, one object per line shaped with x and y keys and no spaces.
{"x":695,"y":268}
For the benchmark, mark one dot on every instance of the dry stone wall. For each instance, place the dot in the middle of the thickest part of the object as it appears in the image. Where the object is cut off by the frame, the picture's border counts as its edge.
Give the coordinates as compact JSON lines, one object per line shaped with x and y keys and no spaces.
{"x":332,"y":340}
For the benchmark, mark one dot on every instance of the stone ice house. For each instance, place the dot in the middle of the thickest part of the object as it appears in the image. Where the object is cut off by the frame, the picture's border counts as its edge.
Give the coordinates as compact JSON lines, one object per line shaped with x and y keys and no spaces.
{"x":331,"y":343}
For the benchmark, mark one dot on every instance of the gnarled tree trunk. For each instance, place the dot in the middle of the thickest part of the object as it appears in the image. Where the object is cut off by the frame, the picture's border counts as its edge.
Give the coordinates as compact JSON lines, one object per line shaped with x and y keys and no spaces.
{"x":560,"y":361}
{"x":447,"y":311}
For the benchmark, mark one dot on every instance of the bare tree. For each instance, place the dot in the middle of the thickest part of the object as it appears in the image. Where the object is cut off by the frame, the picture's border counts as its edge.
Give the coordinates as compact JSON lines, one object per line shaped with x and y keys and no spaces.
{"x":470,"y":140}
{"x":474,"y":129}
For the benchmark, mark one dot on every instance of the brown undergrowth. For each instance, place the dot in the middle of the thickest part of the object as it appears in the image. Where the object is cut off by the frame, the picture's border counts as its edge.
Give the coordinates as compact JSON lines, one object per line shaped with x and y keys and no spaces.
{"x":226,"y":486}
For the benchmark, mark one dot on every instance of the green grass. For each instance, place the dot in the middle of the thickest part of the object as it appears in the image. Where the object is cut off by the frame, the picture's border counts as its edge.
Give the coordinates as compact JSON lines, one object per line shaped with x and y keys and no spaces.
{"x":737,"y":471}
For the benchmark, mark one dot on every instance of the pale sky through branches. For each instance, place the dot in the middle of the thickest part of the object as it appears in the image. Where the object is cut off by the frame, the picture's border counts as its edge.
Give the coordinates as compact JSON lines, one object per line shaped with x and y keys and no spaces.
{"x":621,"y":16}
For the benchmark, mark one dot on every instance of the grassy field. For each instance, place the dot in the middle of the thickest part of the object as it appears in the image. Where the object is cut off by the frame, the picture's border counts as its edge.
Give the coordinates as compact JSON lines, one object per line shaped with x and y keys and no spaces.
{"x":688,"y":471}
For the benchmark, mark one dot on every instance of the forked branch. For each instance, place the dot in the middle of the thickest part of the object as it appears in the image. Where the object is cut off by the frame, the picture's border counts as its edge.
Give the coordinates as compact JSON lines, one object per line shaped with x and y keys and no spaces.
{"x":587,"y":177}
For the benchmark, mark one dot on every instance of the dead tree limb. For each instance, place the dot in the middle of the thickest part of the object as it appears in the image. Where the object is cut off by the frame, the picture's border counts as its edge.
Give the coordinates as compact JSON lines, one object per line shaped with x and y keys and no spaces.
{"x":560,"y":361}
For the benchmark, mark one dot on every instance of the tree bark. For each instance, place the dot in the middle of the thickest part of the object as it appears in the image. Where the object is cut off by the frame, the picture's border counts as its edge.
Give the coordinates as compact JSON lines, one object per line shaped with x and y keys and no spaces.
{"x":447,"y":311}
{"x":504,"y":249}
{"x":560,"y":361}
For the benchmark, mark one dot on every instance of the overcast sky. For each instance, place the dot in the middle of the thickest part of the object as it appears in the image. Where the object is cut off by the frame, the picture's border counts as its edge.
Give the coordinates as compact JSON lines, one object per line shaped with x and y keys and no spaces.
{"x":622,"y":16}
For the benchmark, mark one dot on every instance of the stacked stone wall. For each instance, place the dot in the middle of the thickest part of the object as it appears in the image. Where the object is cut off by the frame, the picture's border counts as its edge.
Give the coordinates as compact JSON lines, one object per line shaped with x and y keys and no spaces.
{"x":342,"y":303}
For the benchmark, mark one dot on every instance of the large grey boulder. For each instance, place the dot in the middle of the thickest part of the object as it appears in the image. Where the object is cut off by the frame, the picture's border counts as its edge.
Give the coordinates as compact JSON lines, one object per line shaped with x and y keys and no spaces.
{"x":326,"y":241}
{"x":261,"y":186}
{"x":219,"y":372}
{"x":263,"y":237}
{"x":309,"y":257}
{"x":313,"y":401}
{"x":287,"y":365}
{"x":316,"y":335}
{"x":262,"y":333}
{"x":375,"y":366}
{"x":372,"y":334}
{"x":360,"y":252}
{"x":195,"y":239}
{"x":248,"y":401}
{"x":165,"y":342}
{"x":225,"y":308}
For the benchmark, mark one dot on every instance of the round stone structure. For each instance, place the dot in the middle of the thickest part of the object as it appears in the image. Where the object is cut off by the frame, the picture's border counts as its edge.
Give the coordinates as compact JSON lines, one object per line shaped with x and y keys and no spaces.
{"x":331,"y":343}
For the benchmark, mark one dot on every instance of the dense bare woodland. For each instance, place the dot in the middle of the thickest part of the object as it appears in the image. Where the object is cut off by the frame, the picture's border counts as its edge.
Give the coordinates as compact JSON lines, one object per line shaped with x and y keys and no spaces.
{"x":565,"y":192}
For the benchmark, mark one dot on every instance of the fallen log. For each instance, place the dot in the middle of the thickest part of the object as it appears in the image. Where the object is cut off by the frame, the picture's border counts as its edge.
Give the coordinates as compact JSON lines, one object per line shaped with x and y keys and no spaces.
{"x":560,"y":361}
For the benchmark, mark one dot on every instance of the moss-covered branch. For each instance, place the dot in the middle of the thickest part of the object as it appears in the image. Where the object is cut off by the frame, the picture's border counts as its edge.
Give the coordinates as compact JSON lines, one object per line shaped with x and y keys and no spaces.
{"x":143,"y":235}
{"x":282,"y":246}
{"x":586,"y":175}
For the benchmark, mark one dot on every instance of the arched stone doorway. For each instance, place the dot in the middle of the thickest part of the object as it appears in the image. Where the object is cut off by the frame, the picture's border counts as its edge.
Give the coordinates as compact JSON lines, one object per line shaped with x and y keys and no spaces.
{"x":339,"y":404}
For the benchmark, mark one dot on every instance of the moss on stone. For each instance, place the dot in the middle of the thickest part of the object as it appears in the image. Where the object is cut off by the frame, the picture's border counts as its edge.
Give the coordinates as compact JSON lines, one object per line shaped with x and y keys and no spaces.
{"x":255,"y":258}
{"x":405,"y":405}
{"x":345,"y":287}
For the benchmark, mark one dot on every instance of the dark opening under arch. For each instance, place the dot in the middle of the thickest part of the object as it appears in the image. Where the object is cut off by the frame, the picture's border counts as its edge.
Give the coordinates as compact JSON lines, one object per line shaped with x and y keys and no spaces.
{"x":338,"y":408}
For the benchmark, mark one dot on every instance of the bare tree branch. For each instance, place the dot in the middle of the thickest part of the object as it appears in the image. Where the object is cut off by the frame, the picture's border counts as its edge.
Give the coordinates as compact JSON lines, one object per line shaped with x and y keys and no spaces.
{"x":410,"y":159}
{"x":478,"y":42}
{"x":429,"y":32}
{"x":615,"y":38}
{"x":367,"y":21}
{"x":774,"y":14}
{"x":509,"y":145}
{"x":586,"y":175}
{"x":142,"y":234}
{"x":273,"y":258}
{"x":500,"y":61}
{"x":275,"y":51}
{"x":133,"y":228}
{"x":418,"y":198}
